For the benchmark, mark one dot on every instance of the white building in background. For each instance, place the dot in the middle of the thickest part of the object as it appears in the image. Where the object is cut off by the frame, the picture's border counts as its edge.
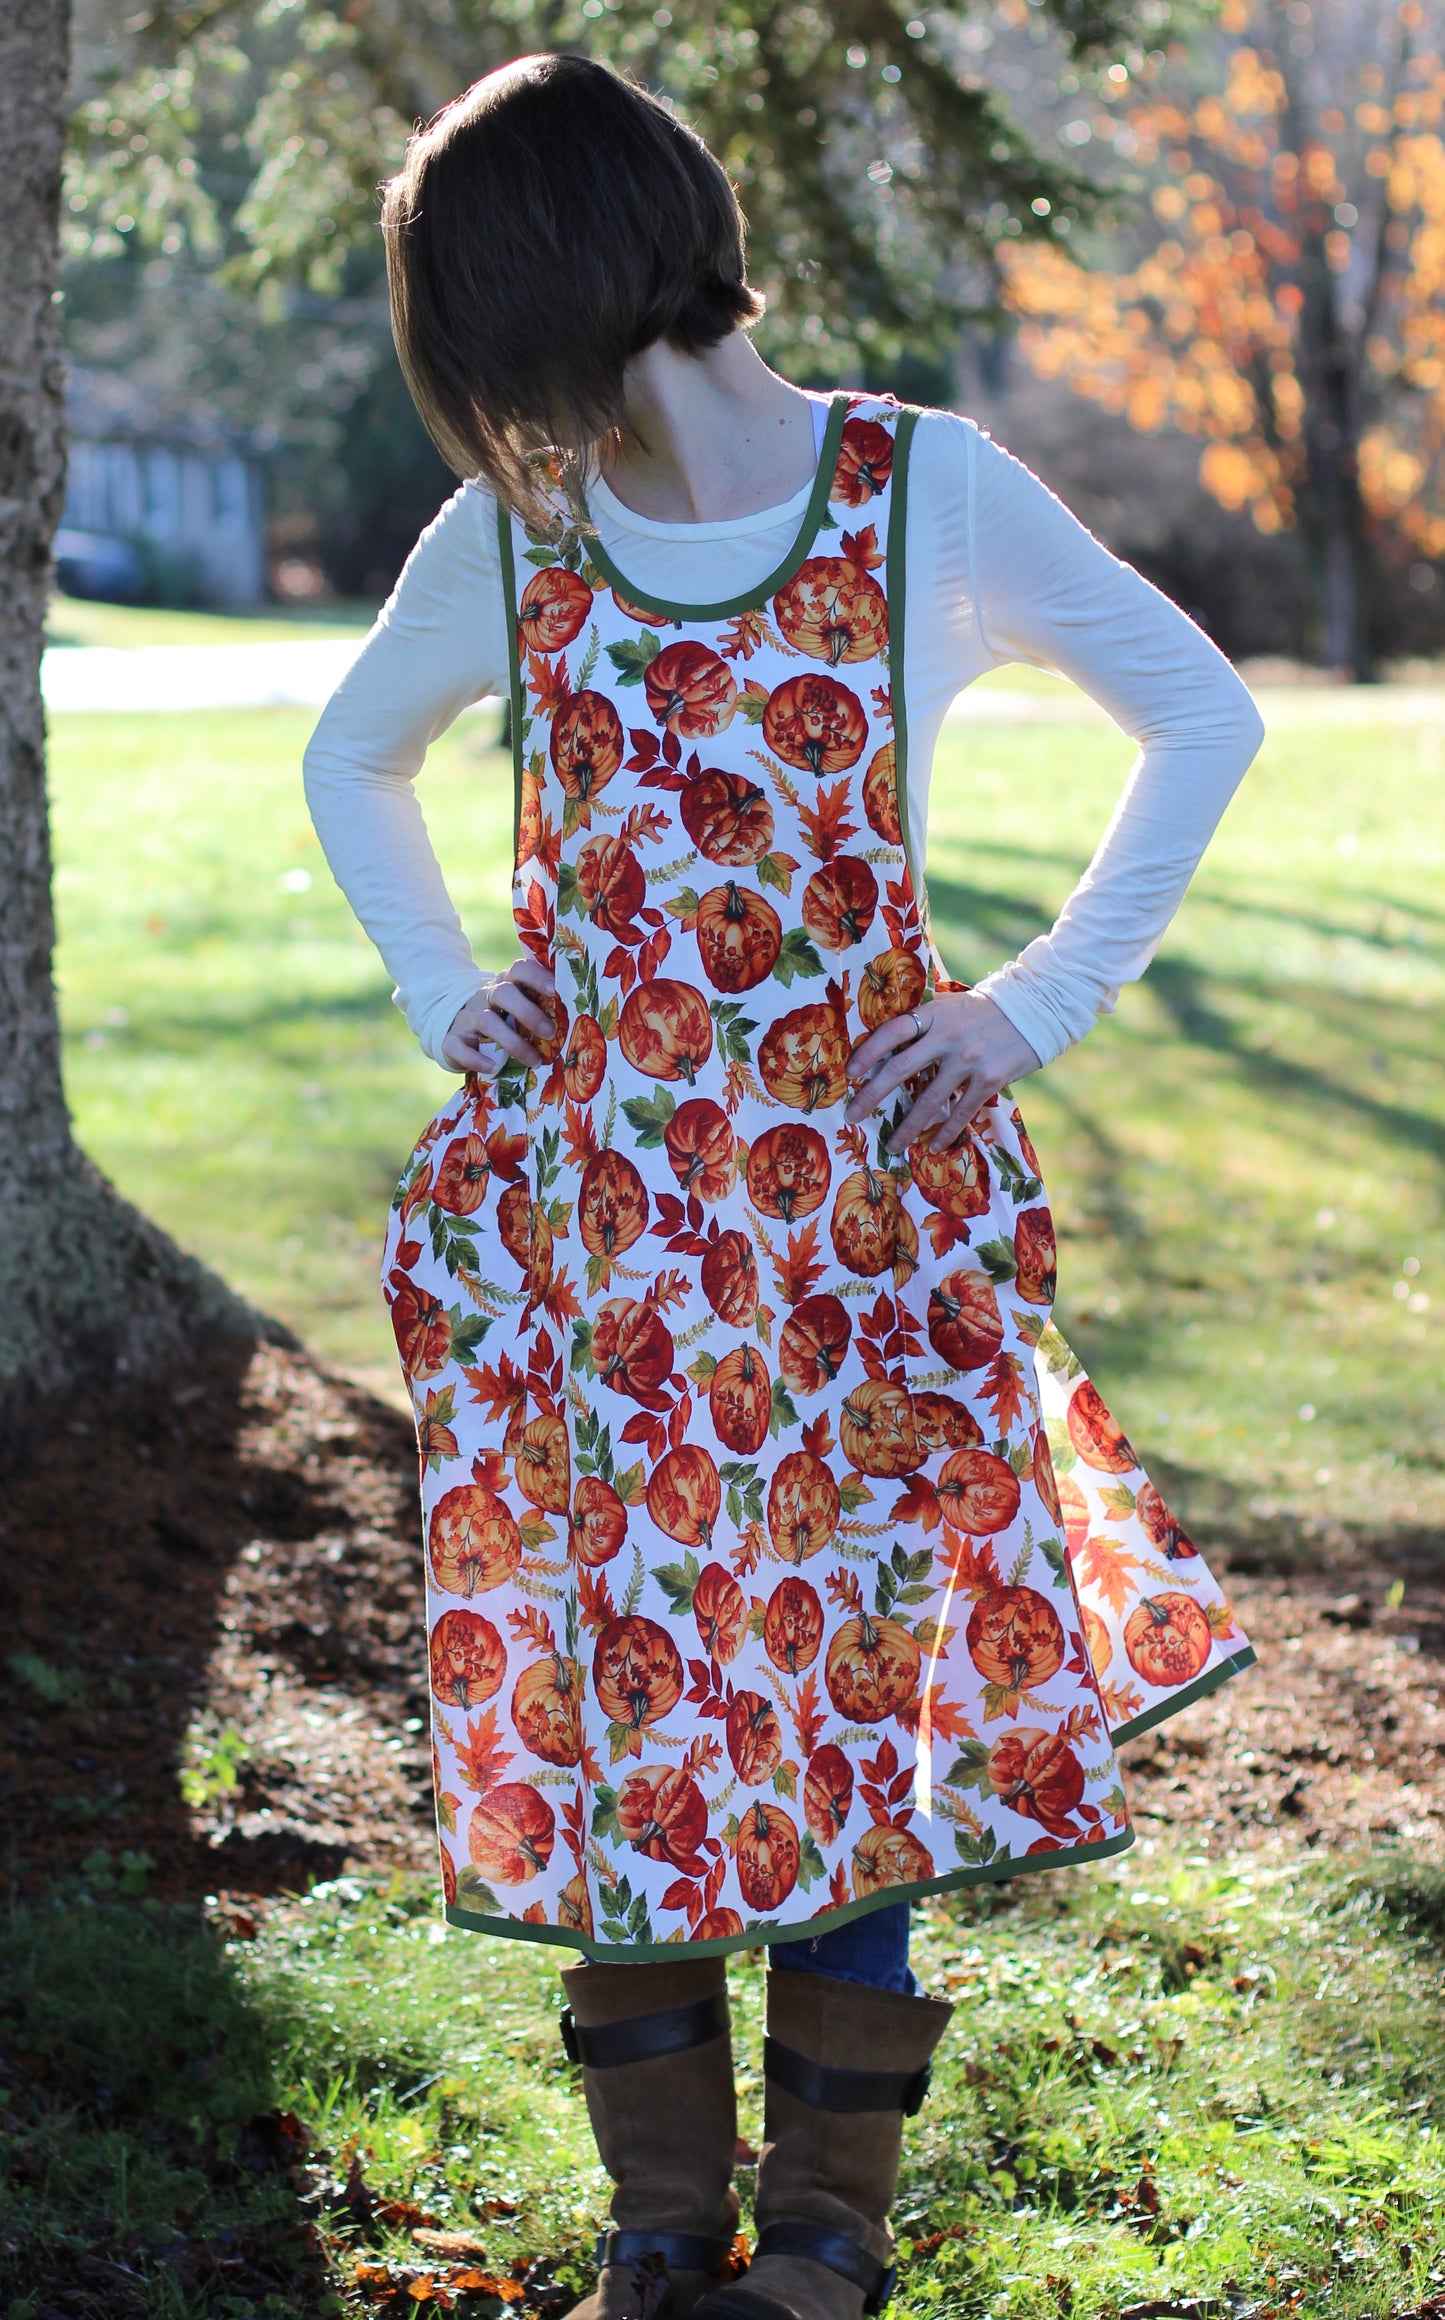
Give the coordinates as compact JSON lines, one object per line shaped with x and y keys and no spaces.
{"x":157,"y":506}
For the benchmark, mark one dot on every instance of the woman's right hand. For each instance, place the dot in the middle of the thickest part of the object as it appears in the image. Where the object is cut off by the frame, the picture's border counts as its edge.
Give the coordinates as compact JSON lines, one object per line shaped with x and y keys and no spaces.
{"x":500,"y":1016}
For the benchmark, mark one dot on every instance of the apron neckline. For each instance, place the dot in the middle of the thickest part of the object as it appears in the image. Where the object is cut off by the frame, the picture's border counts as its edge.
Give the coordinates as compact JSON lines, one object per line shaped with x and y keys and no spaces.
{"x":810,"y":523}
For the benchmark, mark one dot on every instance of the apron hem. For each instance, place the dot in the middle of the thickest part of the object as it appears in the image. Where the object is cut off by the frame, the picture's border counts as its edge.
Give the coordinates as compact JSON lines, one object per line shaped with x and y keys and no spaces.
{"x":1209,"y":1682}
{"x":764,"y":1936}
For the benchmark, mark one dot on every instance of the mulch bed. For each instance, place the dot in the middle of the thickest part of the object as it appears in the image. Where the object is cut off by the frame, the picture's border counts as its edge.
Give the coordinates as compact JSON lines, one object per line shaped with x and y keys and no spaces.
{"x":233,"y":1578}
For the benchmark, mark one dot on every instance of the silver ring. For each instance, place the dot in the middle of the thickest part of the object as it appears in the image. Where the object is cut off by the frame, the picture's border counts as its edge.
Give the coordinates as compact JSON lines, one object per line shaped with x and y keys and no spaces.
{"x":917,"y":1026}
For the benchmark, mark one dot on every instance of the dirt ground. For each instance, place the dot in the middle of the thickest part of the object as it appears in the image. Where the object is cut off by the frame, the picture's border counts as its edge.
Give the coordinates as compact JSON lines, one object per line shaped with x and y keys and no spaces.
{"x":229,"y":1588}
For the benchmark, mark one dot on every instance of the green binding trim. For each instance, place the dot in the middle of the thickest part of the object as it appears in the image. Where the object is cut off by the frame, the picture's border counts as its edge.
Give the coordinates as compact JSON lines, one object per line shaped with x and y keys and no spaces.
{"x":514,"y":663}
{"x":897,"y":593}
{"x":762,"y":1936}
{"x":1209,"y":1682}
{"x":807,"y":531}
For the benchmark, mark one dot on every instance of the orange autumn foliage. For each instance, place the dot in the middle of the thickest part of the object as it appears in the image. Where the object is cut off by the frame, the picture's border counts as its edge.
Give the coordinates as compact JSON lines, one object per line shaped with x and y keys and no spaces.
{"x":1289,"y":295}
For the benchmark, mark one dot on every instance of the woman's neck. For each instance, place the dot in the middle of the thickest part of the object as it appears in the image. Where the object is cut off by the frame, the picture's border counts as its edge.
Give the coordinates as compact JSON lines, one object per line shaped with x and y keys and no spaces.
{"x":710,"y":436}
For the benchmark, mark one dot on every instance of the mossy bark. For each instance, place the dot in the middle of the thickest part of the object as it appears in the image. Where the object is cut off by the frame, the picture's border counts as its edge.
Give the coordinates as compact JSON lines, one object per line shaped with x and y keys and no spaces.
{"x":88,"y":1286}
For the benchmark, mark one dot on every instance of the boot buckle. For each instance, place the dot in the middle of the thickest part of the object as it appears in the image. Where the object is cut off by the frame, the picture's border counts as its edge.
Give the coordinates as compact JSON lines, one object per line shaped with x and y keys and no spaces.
{"x":644,"y":2037}
{"x":825,"y":2088}
{"x":795,"y":2235}
{"x":681,"y":2251}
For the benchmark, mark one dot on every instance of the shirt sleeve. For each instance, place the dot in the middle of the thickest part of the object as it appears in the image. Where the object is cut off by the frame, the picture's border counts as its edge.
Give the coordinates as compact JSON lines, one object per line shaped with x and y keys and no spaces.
{"x":439,"y":644}
{"x":1047,"y":592}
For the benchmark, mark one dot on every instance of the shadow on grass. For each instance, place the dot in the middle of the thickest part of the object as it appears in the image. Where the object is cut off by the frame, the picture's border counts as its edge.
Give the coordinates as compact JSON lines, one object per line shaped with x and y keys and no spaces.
{"x":149,"y":2169}
{"x":196,"y":1028}
{"x":963,"y":912}
{"x":1243,"y":1532}
{"x":1260,"y":910}
{"x":1213,"y":1012}
{"x":1413,"y":1894}
{"x":1187,"y":994}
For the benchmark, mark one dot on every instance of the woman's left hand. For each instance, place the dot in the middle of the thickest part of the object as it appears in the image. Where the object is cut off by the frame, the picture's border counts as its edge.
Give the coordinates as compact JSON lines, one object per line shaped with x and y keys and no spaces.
{"x":975,"y":1047}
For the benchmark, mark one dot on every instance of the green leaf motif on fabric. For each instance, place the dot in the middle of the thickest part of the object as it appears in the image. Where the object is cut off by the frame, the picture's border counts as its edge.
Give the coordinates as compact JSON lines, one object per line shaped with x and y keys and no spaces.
{"x":744,"y":1492}
{"x":467,"y":1334}
{"x":473,"y":1894}
{"x":624,"y":1917}
{"x":797,"y":957}
{"x":633,"y":656}
{"x":783,"y":1411}
{"x":678,"y":1582}
{"x":649,"y":1115}
{"x":903,"y":1579}
{"x":811,"y":1865}
{"x":633,"y":1595}
{"x":1053,"y":1555}
{"x":1017,"y":1183}
{"x":976,"y":1851}
{"x":970,"y":1767}
{"x":733,"y":1027}
{"x":1062,"y":1361}
{"x":998,"y":1259}
{"x":1062,"y":1453}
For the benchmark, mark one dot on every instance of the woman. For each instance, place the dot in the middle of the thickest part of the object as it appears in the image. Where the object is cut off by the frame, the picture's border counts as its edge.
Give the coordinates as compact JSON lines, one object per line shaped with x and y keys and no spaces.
{"x":752,"y":1465}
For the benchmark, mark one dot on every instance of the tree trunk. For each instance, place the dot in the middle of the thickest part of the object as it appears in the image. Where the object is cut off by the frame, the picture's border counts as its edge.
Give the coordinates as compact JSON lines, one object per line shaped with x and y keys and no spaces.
{"x":1334,"y":520}
{"x":1332,"y":513}
{"x":1346,"y":647}
{"x":88,"y":1286}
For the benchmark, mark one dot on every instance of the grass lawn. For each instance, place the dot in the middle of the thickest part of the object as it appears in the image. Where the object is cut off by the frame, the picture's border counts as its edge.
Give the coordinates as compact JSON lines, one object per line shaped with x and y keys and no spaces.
{"x":1245,"y":1160}
{"x":1169,"y":2089}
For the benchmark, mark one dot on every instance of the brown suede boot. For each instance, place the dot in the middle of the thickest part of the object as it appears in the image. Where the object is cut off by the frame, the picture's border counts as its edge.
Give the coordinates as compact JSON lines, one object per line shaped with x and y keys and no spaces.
{"x":655,"y":2047}
{"x":844,"y":2066}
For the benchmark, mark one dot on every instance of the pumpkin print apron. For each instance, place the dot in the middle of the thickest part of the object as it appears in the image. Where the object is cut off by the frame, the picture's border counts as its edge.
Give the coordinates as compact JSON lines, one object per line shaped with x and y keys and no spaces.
{"x":781,"y":1561}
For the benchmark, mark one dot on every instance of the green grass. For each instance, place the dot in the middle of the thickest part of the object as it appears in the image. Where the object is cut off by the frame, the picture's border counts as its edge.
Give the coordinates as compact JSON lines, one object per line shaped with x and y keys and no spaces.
{"x":79,"y":620}
{"x":1246,"y":1156}
{"x":1242,"y":1159}
{"x":1163,"y":2083}
{"x":232,"y":1052}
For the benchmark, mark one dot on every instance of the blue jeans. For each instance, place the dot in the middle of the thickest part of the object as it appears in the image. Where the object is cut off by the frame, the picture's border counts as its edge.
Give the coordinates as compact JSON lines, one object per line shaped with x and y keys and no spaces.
{"x":871,"y":1949}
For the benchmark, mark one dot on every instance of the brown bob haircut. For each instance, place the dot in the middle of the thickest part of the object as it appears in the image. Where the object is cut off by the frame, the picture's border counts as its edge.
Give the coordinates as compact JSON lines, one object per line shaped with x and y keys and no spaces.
{"x":546,"y":227}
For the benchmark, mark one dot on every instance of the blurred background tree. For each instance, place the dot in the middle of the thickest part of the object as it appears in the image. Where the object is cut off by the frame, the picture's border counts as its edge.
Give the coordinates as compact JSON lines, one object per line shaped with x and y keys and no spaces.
{"x":220,"y":225}
{"x":1280,"y":294}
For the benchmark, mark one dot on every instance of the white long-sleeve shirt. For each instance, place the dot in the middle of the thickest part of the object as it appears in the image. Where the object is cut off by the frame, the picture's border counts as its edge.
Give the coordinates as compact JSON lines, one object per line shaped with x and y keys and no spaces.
{"x":996,"y":570}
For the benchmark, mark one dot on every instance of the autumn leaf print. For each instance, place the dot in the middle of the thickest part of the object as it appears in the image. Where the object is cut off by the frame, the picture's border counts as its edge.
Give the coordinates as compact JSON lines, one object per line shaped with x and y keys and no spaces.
{"x":826,"y":827}
{"x":780,"y":1474}
{"x":801,"y":1268}
{"x":434,"y":1435}
{"x":548,"y":683}
{"x":862,"y":549}
{"x":1103,"y":1566}
{"x":481,"y":1756}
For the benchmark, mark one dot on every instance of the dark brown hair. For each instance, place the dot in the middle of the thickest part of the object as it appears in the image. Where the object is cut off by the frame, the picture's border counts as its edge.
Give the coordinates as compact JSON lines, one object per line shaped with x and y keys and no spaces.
{"x":546,"y":227}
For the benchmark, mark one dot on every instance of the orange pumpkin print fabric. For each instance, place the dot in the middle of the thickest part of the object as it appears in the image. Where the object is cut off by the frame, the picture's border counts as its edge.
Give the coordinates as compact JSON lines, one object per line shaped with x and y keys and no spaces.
{"x":781,"y":1562}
